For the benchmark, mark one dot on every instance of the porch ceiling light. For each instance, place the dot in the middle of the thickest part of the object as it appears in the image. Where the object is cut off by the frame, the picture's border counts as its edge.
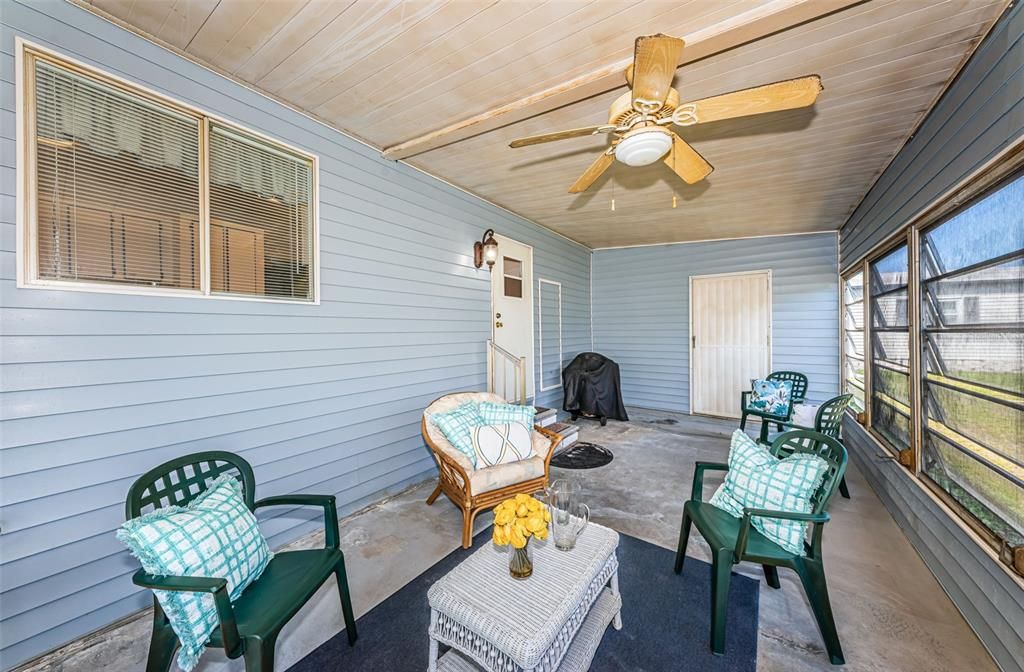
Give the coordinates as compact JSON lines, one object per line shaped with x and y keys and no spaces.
{"x":644,"y":146}
{"x":485,"y":249}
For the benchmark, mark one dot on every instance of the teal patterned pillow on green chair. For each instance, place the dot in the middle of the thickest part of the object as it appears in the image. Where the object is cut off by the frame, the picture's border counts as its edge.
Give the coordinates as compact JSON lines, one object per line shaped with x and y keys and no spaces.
{"x":458,"y":424}
{"x":214,"y":536}
{"x":502,"y":414}
{"x":774,"y":397}
{"x":758,"y":480}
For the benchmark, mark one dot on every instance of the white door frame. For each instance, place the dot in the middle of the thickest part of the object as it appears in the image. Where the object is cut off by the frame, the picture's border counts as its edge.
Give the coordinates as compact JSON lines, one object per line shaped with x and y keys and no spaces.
{"x":531,"y":374}
{"x":771,"y":326}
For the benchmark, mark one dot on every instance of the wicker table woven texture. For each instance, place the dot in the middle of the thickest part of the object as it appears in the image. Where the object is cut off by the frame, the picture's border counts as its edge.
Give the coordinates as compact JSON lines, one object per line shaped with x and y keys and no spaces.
{"x":553,"y":620}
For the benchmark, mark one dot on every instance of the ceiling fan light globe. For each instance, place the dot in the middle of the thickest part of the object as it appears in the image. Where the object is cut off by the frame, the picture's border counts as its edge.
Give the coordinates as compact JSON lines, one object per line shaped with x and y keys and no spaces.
{"x":643,"y":147}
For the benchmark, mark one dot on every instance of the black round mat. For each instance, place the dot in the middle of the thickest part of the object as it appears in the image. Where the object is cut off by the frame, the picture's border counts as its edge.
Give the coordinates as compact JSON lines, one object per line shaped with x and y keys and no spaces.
{"x":582,"y":455}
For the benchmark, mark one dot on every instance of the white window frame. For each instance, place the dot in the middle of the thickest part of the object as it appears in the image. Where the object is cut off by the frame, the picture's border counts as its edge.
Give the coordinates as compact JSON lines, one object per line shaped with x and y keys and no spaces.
{"x":27,"y":231}
{"x":540,"y":334}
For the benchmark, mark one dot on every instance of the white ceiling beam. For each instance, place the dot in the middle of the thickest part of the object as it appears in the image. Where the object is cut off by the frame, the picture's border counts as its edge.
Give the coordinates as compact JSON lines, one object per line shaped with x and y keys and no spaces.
{"x":735,"y":31}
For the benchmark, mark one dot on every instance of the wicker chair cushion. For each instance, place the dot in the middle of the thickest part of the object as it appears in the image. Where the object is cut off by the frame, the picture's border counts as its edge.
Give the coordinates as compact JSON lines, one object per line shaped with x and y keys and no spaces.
{"x":502,"y":475}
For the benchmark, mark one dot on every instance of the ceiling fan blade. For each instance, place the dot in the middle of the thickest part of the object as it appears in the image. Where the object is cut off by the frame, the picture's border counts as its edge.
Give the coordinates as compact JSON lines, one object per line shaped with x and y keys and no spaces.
{"x":560,"y":135}
{"x":655,"y":59}
{"x":686,"y":162}
{"x":786,"y":95}
{"x":592,"y":173}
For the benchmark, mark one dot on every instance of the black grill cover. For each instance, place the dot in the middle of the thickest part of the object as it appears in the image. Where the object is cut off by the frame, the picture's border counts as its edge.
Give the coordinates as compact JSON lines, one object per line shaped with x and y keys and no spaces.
{"x":591,"y":385}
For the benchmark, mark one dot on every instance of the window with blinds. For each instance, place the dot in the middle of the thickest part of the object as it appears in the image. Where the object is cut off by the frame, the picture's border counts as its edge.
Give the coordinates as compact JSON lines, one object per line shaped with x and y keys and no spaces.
{"x":260,"y":217}
{"x":117,"y":184}
{"x":135,"y":192}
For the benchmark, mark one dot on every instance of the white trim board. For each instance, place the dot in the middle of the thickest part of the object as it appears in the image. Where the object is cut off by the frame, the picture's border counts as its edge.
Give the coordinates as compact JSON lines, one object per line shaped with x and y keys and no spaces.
{"x":540,"y":334}
{"x":718,"y":240}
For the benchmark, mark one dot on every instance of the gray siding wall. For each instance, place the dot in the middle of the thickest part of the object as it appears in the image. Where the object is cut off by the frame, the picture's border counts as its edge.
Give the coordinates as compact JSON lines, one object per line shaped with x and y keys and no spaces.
{"x":978,"y":117}
{"x":98,"y":388}
{"x":989,"y":599}
{"x":642,"y":312}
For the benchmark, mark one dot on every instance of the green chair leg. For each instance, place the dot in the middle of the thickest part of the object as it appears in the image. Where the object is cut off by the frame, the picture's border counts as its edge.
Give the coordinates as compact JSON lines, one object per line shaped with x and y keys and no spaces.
{"x":743,"y":420}
{"x":684,"y":538}
{"x":259,"y":654}
{"x":771,"y":575}
{"x":812,"y":575}
{"x":765,"y":428}
{"x":843,"y":490}
{"x":162,"y":644}
{"x":721,"y":572}
{"x":346,"y":602}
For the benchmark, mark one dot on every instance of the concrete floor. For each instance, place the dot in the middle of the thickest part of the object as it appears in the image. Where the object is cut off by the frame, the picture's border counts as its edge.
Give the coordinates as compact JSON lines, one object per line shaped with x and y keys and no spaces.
{"x":892,"y":614}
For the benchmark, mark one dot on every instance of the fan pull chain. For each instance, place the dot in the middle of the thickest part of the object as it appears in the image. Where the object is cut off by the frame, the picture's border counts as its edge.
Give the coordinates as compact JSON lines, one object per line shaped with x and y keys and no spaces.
{"x":612,"y":176}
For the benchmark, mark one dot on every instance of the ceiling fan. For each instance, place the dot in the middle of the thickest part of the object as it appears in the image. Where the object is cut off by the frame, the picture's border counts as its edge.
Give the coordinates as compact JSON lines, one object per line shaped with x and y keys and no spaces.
{"x":639,"y":118}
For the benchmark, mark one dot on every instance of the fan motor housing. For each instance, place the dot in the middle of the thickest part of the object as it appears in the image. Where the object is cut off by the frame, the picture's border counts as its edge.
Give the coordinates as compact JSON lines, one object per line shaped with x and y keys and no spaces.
{"x":621,"y":113}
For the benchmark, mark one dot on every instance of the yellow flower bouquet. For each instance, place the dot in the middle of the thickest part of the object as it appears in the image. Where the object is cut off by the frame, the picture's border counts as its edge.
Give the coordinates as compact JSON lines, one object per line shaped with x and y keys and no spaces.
{"x":516,"y":520}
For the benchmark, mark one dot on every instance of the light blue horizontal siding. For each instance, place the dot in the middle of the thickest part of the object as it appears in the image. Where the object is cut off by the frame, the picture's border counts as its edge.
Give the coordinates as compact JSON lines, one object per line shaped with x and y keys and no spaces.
{"x":98,"y":388}
{"x":641,"y":310}
{"x":978,"y":117}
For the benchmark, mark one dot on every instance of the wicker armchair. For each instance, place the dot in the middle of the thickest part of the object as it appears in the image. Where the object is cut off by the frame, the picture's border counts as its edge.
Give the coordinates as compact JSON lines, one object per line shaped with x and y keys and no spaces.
{"x":474,"y":490}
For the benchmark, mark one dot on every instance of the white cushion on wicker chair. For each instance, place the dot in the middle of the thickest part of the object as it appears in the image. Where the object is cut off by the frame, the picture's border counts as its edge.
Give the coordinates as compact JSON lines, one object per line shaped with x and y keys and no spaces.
{"x":502,"y":475}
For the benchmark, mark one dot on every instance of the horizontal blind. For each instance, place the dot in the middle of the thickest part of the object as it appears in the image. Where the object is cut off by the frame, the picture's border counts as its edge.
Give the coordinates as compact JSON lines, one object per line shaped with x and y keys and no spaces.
{"x":261,"y":238}
{"x":117,"y":184}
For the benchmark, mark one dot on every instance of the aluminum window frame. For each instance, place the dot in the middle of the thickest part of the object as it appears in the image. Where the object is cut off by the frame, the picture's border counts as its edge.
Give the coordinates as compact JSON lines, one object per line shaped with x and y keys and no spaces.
{"x":999,"y":171}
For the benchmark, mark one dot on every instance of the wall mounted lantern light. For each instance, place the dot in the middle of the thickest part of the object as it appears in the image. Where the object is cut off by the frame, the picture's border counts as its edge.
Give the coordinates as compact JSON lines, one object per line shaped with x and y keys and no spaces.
{"x":485,"y":249}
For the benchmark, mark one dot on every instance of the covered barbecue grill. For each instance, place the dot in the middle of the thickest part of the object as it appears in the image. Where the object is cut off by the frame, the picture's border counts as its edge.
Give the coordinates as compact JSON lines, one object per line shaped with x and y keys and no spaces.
{"x":591,"y":387}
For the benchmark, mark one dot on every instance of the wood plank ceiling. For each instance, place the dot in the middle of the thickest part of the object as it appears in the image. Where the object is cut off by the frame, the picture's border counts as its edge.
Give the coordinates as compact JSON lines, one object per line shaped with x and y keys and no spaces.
{"x":391,"y":71}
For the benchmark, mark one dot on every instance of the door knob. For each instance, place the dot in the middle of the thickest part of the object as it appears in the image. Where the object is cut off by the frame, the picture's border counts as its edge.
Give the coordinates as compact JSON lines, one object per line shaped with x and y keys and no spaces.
{"x":499,"y":325}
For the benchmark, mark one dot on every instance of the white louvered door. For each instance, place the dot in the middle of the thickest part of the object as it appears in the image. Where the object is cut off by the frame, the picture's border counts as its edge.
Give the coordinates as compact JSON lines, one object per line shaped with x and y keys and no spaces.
{"x":730,"y":339}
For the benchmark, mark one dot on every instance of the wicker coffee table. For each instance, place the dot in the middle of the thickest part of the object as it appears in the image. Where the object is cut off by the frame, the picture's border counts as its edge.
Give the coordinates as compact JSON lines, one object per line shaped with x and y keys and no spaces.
{"x":553,"y":620}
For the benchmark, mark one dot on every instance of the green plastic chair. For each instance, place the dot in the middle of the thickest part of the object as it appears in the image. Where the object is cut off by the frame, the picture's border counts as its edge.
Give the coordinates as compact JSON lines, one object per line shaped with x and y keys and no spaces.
{"x":734,"y":540}
{"x":798,"y":396}
{"x":249,"y":626}
{"x":829,"y":421}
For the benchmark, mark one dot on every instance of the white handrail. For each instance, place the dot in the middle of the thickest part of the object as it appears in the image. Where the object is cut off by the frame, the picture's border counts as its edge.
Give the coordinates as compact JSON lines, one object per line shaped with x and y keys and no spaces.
{"x":501,"y":361}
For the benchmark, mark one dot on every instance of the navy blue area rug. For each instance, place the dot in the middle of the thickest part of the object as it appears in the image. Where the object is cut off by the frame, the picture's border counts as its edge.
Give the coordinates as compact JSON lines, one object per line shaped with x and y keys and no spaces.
{"x":666,"y":621}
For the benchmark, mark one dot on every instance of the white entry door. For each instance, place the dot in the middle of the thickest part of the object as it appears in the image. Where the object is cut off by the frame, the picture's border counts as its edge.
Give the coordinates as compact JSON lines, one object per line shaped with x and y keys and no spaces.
{"x":512,"y":311}
{"x":730,"y":339}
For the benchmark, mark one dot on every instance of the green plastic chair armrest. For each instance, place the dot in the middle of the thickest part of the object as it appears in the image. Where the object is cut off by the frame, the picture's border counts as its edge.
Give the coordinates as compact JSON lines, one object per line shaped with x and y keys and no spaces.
{"x":329,"y":504}
{"x":817,"y":519}
{"x":216,"y":586}
{"x":698,"y":477}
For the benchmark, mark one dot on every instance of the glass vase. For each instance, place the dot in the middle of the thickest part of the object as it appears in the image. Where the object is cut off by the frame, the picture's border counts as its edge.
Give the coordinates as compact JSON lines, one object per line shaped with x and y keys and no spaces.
{"x":520,"y":561}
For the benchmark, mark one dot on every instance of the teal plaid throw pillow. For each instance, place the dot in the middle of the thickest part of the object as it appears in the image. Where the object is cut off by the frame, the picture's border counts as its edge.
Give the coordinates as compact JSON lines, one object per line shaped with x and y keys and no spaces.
{"x":771,"y":396}
{"x":758,"y":480}
{"x":457,"y":426}
{"x":215,"y":536}
{"x":500,"y":414}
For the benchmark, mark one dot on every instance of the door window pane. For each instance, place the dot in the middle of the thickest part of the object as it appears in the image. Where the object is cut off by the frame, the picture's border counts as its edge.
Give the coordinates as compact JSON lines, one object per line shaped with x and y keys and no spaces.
{"x":512,"y":270}
{"x":972,"y":315}
{"x":890,"y":349}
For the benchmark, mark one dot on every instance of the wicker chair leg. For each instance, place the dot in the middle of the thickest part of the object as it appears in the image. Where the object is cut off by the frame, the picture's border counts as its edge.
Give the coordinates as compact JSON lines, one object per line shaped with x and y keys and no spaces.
{"x":434,"y":495}
{"x":467,"y":527}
